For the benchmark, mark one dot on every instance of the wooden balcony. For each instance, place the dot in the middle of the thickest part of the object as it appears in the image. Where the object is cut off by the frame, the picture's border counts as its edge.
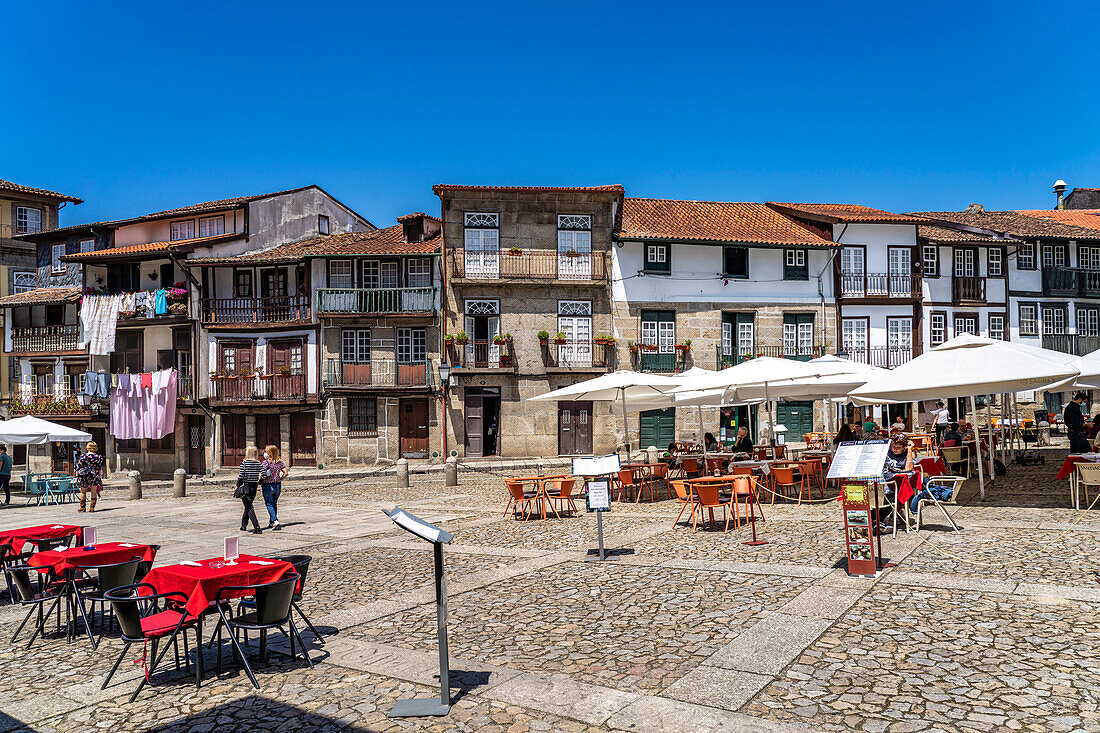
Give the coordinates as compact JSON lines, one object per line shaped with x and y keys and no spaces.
{"x":645,"y":360}
{"x":1071,"y":282}
{"x":879,"y":286}
{"x":376,"y":301}
{"x":377,"y":373}
{"x":1071,"y":343}
{"x":578,"y":356}
{"x":259,"y":388}
{"x":967,"y":289}
{"x":47,"y":395}
{"x":45,"y":339}
{"x":529,"y":265}
{"x":240,"y":311}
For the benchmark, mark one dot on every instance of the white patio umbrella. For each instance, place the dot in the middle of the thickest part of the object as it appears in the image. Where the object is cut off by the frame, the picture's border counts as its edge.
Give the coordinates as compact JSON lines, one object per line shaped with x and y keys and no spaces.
{"x":1089,"y":368}
{"x":31,"y":430}
{"x":967,"y":366}
{"x":623,"y":385}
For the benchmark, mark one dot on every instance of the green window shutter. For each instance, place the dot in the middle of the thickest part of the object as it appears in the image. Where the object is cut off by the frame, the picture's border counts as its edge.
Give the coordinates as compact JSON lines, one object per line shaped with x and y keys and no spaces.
{"x":657,"y":258}
{"x":795,"y":265}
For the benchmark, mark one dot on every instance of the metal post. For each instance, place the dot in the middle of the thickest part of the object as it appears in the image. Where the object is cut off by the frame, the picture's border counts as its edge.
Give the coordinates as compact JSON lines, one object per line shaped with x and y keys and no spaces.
{"x":599,"y":533}
{"x":978,"y":447}
{"x":441,"y":618}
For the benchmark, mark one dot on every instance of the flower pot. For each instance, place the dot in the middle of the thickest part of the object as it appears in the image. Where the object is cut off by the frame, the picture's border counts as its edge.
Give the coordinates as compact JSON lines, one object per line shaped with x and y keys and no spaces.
{"x":559,"y":342}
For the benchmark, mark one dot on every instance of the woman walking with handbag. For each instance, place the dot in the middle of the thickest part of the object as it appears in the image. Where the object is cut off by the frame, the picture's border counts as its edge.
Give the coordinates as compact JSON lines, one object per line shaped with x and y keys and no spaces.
{"x":89,"y":477}
{"x":247,"y":480}
{"x":272,"y":473}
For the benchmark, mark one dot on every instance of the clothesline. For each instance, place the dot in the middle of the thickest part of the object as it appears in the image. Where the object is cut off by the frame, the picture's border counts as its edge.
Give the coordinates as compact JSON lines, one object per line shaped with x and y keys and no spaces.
{"x":142,"y":405}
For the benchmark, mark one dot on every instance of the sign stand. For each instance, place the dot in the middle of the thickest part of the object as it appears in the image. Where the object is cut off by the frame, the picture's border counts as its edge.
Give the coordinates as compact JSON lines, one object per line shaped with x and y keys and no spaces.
{"x":859,"y":467}
{"x":752,"y":520}
{"x":598,"y":473}
{"x":428,"y":706}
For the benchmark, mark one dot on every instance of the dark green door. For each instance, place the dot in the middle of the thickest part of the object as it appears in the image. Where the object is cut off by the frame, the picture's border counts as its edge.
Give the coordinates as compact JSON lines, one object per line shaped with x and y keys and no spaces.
{"x":797,"y":416}
{"x":657,"y":428}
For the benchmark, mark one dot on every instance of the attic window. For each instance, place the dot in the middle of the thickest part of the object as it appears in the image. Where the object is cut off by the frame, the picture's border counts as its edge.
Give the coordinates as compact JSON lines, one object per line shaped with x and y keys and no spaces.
{"x":322,"y":224}
{"x":414,"y":231}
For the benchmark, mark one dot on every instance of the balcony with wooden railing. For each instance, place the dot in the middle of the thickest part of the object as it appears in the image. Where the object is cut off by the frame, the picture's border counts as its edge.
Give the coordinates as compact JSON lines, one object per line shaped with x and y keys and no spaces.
{"x":651,"y":359}
{"x":1071,"y":343}
{"x":967,"y":289}
{"x":376,"y":301}
{"x":1071,"y":282}
{"x":378,"y":373}
{"x":879,"y":285}
{"x":259,"y":388}
{"x":272,"y":309}
{"x":45,"y":339}
{"x":481,"y":354}
{"x":583,"y":267}
{"x":45,"y":395}
{"x":578,"y":355}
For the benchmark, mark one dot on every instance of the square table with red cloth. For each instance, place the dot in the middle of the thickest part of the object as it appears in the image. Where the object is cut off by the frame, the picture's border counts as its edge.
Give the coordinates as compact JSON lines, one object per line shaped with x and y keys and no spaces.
{"x":18,"y":537}
{"x":103,"y":553}
{"x":1070,"y":462}
{"x":201,"y":584}
{"x":905,"y":484}
{"x":933,"y":465}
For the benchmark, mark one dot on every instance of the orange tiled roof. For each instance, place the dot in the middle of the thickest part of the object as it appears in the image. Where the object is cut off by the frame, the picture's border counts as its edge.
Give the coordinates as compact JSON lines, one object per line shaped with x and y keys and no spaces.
{"x":41,"y":296}
{"x":1088,"y":218}
{"x":41,"y":192}
{"x":149,"y":247}
{"x":418,"y":215}
{"x":613,"y":188}
{"x":852,"y":213}
{"x":1011,"y":223}
{"x":388,"y":241}
{"x":712,"y":221}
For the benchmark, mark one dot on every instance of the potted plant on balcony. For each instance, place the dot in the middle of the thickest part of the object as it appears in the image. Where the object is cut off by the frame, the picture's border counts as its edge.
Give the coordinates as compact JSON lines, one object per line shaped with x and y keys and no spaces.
{"x":604,"y":340}
{"x":179,"y":308}
{"x":515,"y":251}
{"x":462,"y":338}
{"x":633,"y":347}
{"x":498,"y":339}
{"x":648,"y":347}
{"x":544,"y":337}
{"x":572,"y":253}
{"x":686,"y":346}
{"x":123,"y":315}
{"x":559,"y":338}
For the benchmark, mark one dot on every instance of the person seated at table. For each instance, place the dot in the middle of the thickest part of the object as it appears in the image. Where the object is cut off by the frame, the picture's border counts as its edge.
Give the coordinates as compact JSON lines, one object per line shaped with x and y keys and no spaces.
{"x":1092,"y":430}
{"x":744,"y":442}
{"x":898,"y":464}
{"x":952,"y":437}
{"x":711,"y":443}
{"x":844,"y":435}
{"x":898,"y":424}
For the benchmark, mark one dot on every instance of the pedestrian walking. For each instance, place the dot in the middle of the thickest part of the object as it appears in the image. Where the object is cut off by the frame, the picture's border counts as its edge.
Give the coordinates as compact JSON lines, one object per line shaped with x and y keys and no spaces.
{"x":89,"y":477}
{"x":941,"y":418}
{"x":247,"y":480}
{"x":5,"y":473}
{"x":272,"y":473}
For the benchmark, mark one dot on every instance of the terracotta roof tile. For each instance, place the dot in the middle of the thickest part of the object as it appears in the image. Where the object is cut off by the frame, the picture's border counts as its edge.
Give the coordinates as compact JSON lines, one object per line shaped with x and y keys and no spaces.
{"x":390,"y":240}
{"x":17,"y":188}
{"x":712,"y":221}
{"x":41,"y":296}
{"x":852,"y":213}
{"x":418,"y":215}
{"x":1013,"y":223}
{"x":947,"y":234}
{"x":153,"y":247}
{"x":1088,"y":218}
{"x":613,"y":188}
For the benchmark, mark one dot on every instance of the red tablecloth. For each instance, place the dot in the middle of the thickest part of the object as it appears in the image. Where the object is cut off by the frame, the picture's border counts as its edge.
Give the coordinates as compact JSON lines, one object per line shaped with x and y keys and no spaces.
{"x":201,"y":584}
{"x":104,"y":553}
{"x":1069,"y":463}
{"x":908,"y":489}
{"x":933,"y":466}
{"x":18,"y":537}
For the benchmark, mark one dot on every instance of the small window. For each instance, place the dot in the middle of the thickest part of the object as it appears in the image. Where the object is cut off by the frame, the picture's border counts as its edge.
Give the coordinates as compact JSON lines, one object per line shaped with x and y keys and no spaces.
{"x":1029,"y":325}
{"x":481,"y":220}
{"x":355,"y":346}
{"x":182,"y":230}
{"x":1025,"y":256}
{"x":420,"y":272}
{"x":362,"y":417}
{"x":340,"y":274}
{"x":794,"y":265}
{"x":937,"y":328}
{"x":996,"y":263}
{"x":23,"y":282}
{"x":57,"y":251}
{"x":27,"y":220}
{"x":657,"y":258}
{"x":124,"y":445}
{"x":996,"y":327}
{"x":167,"y":444}
{"x":242,"y":283}
{"x":87,"y":245}
{"x":410,"y":345}
{"x":574,"y":221}
{"x":735,"y":262}
{"x":211,"y":226}
{"x":322,"y":224}
{"x":931,"y":254}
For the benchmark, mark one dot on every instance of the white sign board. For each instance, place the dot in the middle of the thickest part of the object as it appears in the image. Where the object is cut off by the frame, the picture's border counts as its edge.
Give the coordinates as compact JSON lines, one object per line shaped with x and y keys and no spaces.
{"x":599,"y":496}
{"x":232,"y":548}
{"x":416,"y":525}
{"x":598,"y":466}
{"x":859,"y":460}
{"x":89,"y":536}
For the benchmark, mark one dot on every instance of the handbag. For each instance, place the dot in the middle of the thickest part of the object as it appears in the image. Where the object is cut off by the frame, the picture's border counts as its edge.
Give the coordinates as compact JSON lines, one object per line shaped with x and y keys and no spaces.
{"x":241,"y":491}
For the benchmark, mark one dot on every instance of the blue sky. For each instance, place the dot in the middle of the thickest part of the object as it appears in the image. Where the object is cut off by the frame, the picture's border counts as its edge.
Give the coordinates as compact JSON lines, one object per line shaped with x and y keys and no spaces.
{"x":138,"y":107}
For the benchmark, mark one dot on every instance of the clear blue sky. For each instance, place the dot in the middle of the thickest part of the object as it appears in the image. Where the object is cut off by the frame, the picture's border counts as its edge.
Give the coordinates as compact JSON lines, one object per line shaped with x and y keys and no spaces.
{"x":914,"y":106}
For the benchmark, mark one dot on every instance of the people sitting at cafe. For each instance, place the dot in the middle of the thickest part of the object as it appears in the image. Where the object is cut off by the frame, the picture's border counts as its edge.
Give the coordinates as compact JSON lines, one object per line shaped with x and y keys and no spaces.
{"x":1092,"y":429}
{"x":711,"y":443}
{"x":870,"y":429}
{"x":899,"y":462}
{"x":844,"y":435}
{"x":952,"y":437}
{"x":744,"y":442}
{"x":898,"y":425}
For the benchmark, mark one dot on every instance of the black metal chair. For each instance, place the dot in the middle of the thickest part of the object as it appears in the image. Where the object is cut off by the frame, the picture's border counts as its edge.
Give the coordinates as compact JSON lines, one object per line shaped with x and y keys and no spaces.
{"x":146,"y":565}
{"x":106,"y":578}
{"x":45,"y":544}
{"x":301,"y":566}
{"x":35,"y":591}
{"x":142,"y":621}
{"x":273,"y":611}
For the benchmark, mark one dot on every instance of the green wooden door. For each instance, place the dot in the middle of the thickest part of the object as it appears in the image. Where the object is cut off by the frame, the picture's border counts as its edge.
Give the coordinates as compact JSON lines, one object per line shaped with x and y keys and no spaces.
{"x":657,"y":427}
{"x":797,"y":416}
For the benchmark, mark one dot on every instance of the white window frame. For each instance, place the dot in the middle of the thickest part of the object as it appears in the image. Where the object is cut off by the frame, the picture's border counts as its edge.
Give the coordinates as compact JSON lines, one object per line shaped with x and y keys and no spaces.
{"x":1088,"y":321}
{"x":854,"y":334}
{"x":656,"y":254}
{"x":798,"y":339}
{"x":29,"y":282}
{"x":995,"y":264}
{"x":355,"y":346}
{"x":1053,"y":255}
{"x":899,"y":339}
{"x":419,"y":272}
{"x":930,"y":256}
{"x":411,"y":346}
{"x":796,"y":257}
{"x":1029,"y":315}
{"x":56,"y":253}
{"x":746,"y":337}
{"x":322,"y":224}
{"x":182,"y":229}
{"x":997,"y":326}
{"x":341,"y":274}
{"x":212,"y":226}
{"x":1025,"y":256}
{"x":481,"y":244}
{"x":87,"y":245}
{"x":1056,"y":324}
{"x":23,"y":223}
{"x":1088,"y":258}
{"x":937,"y":328}
{"x":965,"y":262}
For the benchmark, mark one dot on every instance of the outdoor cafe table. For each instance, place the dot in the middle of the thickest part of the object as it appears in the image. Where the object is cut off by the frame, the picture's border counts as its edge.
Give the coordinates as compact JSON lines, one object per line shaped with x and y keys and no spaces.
{"x":16,"y":538}
{"x":540,"y":489}
{"x":933,"y":465}
{"x":201,"y":584}
{"x":1068,"y":470}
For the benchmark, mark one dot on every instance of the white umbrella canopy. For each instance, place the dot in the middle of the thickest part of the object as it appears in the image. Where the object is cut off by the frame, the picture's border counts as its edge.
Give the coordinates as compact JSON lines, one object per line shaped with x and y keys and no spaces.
{"x":1089,"y":368}
{"x":837,"y":377}
{"x":966,"y":366}
{"x":31,"y":430}
{"x":761,"y":370}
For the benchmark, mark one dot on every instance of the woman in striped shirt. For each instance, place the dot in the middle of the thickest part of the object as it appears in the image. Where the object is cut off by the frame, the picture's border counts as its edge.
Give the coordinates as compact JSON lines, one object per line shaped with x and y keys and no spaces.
{"x":249,"y":477}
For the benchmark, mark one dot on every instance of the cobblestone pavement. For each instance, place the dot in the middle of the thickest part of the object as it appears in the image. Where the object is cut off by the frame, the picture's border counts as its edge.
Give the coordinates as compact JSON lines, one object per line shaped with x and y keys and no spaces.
{"x":991,"y":629}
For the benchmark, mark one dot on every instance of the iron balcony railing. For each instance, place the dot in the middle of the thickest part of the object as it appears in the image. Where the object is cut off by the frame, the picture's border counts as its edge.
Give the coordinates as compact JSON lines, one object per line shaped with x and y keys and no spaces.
{"x":646,"y":360}
{"x":482,"y":354}
{"x":528,"y":265}
{"x":967,"y":289}
{"x":271,"y":309}
{"x":879,"y":285}
{"x":1071,"y":343}
{"x":352,"y":301}
{"x":185,"y":383}
{"x":378,"y":373}
{"x":45,"y":338}
{"x":727,"y":358}
{"x":1071,"y":281}
{"x":578,"y":355}
{"x":886,"y":357}
{"x":253,"y":387}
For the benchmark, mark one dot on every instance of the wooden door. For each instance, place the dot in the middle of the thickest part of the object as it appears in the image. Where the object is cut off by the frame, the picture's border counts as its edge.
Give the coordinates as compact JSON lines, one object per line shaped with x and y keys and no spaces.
{"x":267,"y":431}
{"x":303,"y":439}
{"x":574,"y":428}
{"x":475,"y":425}
{"x":196,"y":445}
{"x":656,"y":428}
{"x":413,"y":428}
{"x":798,"y":417}
{"x":232,"y":440}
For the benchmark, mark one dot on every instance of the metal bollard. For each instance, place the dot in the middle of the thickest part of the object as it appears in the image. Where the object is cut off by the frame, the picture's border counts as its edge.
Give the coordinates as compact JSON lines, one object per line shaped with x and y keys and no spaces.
{"x":450,"y":471}
{"x":135,"y":484}
{"x":540,"y":468}
{"x":179,"y":483}
{"x":402,"y":473}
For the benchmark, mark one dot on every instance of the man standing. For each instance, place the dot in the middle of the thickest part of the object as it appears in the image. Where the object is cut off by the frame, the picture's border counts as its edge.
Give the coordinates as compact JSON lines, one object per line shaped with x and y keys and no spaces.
{"x":941,"y":416}
{"x":1075,"y":424}
{"x":5,"y":473}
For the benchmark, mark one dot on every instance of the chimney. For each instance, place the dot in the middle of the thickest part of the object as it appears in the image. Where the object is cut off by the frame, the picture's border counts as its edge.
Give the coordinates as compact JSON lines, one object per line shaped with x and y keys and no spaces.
{"x":1060,"y":193}
{"x":975,"y":209}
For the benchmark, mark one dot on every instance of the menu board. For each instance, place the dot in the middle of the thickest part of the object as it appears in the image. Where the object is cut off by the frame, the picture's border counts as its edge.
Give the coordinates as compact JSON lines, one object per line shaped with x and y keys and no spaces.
{"x":599,"y":496}
{"x":862,"y":459}
{"x":598,"y":466}
{"x":857,"y":528}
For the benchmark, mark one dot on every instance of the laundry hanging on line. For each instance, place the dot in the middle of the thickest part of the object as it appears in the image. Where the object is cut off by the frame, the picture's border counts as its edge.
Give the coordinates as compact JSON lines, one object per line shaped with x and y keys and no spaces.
{"x":139,"y":411}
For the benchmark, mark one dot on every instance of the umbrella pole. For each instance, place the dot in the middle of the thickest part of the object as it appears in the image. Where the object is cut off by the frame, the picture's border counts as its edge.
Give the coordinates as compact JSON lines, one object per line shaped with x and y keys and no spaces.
{"x":699,"y":409}
{"x":989,"y":432}
{"x":977,"y":446}
{"x":771,"y":415}
{"x":626,"y":424}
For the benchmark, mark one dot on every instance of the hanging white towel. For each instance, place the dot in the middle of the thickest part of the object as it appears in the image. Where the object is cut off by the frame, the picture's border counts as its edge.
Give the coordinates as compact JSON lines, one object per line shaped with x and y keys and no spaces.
{"x":98,"y":320}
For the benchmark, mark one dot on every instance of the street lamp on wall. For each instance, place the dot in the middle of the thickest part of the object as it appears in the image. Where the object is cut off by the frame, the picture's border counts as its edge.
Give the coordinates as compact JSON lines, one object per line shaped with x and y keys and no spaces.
{"x":444,"y":375}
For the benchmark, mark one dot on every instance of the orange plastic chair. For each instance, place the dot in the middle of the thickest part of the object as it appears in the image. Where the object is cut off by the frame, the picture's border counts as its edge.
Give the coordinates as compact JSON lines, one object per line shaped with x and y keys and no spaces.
{"x":685,"y":496}
{"x":709,"y":498}
{"x":563,"y":494}
{"x":742,"y":471}
{"x":814,"y":469}
{"x":519,"y":498}
{"x":691,"y":466}
{"x":783,"y":478}
{"x":715,"y":463}
{"x":626,"y":482}
{"x":780,"y":451}
{"x":659,"y":472}
{"x":743,"y":488}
